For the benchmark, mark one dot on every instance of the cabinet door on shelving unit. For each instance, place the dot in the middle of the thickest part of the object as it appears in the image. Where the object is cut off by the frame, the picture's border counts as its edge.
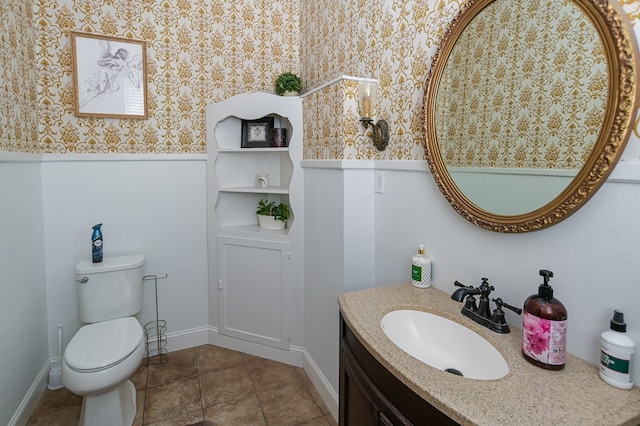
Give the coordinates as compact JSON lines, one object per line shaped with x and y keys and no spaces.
{"x":253,"y":284}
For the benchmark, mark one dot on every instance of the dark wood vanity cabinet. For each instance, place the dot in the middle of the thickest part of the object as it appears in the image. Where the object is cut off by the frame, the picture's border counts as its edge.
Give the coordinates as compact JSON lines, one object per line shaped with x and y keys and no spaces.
{"x":371,"y":395}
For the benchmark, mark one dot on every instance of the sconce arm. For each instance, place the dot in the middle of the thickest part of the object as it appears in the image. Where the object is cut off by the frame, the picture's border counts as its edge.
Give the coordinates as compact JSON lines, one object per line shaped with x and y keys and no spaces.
{"x":380,"y":132}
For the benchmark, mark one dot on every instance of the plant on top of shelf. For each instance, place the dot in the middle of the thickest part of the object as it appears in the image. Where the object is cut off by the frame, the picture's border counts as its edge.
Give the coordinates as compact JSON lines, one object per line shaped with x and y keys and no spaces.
{"x":288,"y":84}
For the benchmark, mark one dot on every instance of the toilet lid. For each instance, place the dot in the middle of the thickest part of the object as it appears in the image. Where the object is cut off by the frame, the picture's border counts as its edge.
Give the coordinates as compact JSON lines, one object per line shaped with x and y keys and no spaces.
{"x":100,"y":345}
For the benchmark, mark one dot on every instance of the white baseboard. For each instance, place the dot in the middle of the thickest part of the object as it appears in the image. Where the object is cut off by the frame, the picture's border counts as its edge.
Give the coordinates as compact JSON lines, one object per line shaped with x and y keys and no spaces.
{"x":186,"y":339}
{"x":210,"y":335}
{"x":30,"y":400}
{"x":326,"y":391}
{"x":294,"y":356}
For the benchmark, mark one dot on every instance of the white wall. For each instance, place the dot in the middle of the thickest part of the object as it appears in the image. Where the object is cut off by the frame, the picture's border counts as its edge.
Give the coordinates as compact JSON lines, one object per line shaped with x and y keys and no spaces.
{"x":156,"y":207}
{"x":323,"y":269}
{"x":23,"y":310}
{"x":593,"y":254}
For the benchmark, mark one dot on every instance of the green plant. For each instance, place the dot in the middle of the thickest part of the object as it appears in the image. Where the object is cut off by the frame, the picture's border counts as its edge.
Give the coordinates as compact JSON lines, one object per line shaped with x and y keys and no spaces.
{"x":269,"y":208}
{"x":288,"y":82}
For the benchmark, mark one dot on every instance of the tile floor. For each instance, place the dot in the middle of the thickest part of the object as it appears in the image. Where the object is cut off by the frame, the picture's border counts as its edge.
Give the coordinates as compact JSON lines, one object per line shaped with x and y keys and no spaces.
{"x":207,"y":383}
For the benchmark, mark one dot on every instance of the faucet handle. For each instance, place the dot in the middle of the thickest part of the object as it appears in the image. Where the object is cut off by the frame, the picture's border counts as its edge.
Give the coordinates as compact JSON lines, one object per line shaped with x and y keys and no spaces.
{"x":459,"y":284}
{"x":500,"y":303}
{"x":485,"y":287}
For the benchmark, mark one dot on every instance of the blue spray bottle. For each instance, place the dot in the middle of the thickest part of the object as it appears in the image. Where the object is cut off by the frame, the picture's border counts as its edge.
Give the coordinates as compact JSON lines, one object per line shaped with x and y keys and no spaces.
{"x":96,"y":244}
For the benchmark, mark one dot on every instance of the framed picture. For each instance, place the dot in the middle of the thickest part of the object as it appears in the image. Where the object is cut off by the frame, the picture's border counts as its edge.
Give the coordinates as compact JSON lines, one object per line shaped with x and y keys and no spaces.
{"x":257,"y":133}
{"x":109,"y":76}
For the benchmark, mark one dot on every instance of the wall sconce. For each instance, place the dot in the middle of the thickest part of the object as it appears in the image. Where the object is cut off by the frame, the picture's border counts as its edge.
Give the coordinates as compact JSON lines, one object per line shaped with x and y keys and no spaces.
{"x":366,"y":99}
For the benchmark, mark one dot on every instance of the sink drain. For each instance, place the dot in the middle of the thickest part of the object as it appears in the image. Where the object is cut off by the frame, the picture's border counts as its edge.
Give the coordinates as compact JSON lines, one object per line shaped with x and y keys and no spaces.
{"x":454,"y":371}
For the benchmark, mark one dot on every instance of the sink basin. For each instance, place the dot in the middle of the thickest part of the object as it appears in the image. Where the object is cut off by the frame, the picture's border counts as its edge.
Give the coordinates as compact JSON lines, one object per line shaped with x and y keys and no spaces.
{"x":444,"y":344}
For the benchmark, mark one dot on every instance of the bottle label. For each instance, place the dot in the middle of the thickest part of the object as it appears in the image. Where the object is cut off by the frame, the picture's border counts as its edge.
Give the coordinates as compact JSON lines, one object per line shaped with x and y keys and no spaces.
{"x":96,"y":250}
{"x":416,"y":273}
{"x":544,"y":340}
{"x":421,"y":274}
{"x":613,"y":363}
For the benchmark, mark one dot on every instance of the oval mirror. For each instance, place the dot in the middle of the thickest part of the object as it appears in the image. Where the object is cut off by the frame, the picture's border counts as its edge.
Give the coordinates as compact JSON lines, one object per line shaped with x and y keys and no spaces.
{"x":528,"y":107}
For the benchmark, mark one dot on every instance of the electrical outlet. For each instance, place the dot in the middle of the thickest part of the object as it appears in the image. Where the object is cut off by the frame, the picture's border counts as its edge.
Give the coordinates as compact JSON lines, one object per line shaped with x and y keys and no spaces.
{"x":379,"y":185}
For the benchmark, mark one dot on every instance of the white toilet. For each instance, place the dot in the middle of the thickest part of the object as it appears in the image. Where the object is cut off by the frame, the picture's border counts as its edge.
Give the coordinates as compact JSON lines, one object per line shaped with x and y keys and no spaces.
{"x":102,"y":355}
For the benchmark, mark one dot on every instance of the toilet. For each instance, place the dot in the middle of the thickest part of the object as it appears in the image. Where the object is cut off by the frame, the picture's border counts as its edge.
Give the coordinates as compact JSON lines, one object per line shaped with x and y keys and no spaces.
{"x":103,"y":354}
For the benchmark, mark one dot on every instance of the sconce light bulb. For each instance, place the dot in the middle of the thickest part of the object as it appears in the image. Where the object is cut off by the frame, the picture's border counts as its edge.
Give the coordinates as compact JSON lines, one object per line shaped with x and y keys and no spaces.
{"x":367,"y":97}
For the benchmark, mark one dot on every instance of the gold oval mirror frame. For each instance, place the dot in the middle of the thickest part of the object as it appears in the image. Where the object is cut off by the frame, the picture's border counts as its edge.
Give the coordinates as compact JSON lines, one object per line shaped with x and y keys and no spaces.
{"x":621,"y":98}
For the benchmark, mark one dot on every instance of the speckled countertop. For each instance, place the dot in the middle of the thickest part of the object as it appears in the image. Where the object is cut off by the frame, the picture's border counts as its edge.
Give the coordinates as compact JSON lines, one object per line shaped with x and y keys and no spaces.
{"x":528,"y":395}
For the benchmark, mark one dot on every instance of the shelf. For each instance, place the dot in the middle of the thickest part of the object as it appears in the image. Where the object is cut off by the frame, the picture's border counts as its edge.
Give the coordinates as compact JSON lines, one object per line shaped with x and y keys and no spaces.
{"x":234,"y":209}
{"x":227,"y":127}
{"x":254,"y":231}
{"x":248,"y":150}
{"x":240,"y":252}
{"x":255,"y":190}
{"x":239,"y":169}
{"x":234,"y":171}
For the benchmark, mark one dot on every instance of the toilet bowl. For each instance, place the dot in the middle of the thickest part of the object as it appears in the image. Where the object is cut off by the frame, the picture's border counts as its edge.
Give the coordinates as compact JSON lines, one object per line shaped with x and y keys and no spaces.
{"x":104,"y":353}
{"x":97,"y":363}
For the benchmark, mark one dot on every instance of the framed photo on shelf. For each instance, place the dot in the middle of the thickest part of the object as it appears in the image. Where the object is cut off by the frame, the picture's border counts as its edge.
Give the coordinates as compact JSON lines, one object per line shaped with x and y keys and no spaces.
{"x":109,"y":76}
{"x":257,"y":133}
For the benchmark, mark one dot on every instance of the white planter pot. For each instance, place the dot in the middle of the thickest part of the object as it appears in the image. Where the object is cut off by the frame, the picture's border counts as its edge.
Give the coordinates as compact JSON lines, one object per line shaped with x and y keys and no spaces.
{"x":290,"y":93}
{"x":269,"y":222}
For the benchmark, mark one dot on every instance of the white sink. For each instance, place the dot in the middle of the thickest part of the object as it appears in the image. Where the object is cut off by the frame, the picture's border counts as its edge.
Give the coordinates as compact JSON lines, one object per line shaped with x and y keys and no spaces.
{"x":444,"y":344}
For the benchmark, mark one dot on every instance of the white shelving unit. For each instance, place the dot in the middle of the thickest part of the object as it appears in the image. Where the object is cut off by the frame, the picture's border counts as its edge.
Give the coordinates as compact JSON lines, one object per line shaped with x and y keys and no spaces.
{"x":255,"y":273}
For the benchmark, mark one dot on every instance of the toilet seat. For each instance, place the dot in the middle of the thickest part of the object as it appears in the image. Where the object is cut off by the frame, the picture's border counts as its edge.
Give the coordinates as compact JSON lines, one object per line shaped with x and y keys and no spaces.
{"x":102,"y":345}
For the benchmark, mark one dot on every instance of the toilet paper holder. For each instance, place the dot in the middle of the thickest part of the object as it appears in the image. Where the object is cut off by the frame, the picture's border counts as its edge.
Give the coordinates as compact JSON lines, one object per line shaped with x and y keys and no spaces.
{"x":155,"y":332}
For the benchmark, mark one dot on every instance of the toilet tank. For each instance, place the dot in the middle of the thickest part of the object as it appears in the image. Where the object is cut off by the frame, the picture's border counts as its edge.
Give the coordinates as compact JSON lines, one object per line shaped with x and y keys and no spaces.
{"x":110,"y":289}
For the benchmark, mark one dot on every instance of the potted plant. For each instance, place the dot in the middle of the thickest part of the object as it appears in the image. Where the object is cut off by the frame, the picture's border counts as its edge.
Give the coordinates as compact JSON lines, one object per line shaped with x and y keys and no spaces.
{"x":288,"y":84}
{"x":271,"y":215}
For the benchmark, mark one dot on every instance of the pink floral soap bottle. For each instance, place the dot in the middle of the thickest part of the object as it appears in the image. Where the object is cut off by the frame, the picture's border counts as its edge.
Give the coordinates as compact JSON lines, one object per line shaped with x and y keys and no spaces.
{"x":544,"y":330}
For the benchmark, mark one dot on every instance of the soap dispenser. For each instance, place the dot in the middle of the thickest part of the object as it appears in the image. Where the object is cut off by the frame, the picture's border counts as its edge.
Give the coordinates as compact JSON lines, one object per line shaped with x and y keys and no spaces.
{"x":616,"y":353}
{"x":421,"y":269}
{"x":544,"y":329}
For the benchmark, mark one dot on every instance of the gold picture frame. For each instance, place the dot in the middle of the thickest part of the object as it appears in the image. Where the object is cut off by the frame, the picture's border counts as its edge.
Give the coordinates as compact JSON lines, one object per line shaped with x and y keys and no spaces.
{"x":109,"y":76}
{"x":616,"y":34}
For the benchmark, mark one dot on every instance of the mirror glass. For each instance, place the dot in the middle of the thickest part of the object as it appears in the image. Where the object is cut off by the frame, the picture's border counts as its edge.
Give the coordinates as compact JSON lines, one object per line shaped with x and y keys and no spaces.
{"x":525,"y":102}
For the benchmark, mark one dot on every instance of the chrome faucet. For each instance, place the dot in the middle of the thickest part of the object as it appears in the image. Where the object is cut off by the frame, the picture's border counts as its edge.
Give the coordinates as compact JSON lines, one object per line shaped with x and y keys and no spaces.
{"x":481,"y":313}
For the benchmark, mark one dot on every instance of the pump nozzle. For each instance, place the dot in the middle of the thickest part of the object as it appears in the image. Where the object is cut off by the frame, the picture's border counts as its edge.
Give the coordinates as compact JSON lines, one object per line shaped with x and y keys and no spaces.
{"x":617,"y":322}
{"x":545,"y":289}
{"x":546,"y":274}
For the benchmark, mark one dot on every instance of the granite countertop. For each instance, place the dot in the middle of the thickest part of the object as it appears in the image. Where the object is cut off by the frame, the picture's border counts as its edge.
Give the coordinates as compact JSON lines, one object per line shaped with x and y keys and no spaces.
{"x":528,"y":395}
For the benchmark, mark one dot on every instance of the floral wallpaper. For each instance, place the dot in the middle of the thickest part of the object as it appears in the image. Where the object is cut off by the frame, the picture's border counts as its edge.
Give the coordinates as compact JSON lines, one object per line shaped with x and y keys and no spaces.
{"x":393,"y":41}
{"x":18,"y":118}
{"x":203,"y":51}
{"x":324,"y":137}
{"x":332,"y":130}
{"x":543,"y":112}
{"x":198,"y":52}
